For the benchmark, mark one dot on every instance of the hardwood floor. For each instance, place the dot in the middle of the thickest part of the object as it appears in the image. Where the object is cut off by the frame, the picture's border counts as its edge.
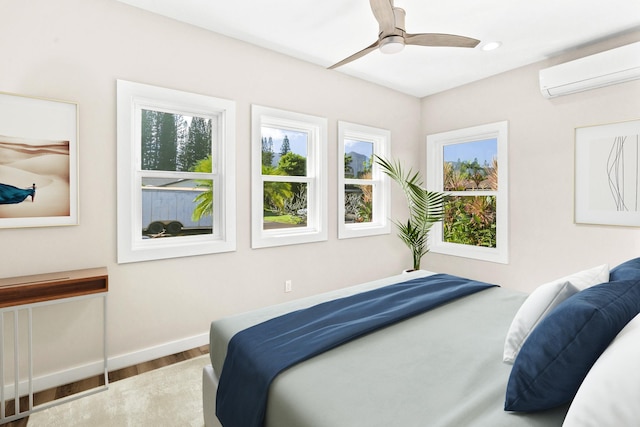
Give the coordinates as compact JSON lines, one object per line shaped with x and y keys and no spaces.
{"x":79,"y":386}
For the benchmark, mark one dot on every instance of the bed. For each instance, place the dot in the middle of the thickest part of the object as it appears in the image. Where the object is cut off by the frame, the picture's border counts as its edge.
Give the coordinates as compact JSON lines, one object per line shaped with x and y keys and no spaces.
{"x":458,"y":363}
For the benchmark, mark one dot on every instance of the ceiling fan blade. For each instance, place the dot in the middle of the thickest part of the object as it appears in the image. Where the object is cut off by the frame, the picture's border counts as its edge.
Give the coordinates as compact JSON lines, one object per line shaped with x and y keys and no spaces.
{"x":355,"y":56}
{"x":383,"y":11}
{"x":443,"y":40}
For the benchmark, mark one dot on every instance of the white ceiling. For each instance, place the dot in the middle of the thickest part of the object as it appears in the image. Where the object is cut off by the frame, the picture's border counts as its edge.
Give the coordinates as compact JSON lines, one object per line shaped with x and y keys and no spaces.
{"x":326,"y":31}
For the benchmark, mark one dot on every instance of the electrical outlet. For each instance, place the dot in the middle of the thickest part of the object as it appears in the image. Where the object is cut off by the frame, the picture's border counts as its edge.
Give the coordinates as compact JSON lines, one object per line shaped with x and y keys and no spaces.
{"x":287,"y":286}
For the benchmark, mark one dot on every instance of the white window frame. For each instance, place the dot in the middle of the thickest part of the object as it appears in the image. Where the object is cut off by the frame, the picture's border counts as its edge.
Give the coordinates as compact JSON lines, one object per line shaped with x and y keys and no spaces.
{"x":131,"y":99}
{"x":381,"y":140}
{"x":316,"y":179}
{"x":435,"y":172}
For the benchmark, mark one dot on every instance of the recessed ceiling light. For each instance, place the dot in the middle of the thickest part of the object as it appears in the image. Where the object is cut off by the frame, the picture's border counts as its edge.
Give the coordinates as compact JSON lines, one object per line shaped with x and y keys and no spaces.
{"x":491,"y":46}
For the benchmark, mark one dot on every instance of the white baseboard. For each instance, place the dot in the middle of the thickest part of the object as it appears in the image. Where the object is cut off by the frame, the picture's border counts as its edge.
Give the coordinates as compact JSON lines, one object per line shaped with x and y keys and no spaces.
{"x":151,"y":353}
{"x":78,"y":373}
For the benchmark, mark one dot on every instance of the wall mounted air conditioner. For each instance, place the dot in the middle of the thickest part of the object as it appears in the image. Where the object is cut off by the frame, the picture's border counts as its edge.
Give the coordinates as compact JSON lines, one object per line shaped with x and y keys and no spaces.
{"x":602,"y":69}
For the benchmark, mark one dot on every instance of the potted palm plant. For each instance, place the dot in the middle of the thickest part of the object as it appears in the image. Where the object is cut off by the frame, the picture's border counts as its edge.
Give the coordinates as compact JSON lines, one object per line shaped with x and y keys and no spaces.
{"x":425,"y":208}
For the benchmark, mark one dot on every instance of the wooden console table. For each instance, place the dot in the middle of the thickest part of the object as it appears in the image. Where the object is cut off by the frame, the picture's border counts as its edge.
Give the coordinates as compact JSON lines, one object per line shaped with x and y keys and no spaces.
{"x":27,"y":292}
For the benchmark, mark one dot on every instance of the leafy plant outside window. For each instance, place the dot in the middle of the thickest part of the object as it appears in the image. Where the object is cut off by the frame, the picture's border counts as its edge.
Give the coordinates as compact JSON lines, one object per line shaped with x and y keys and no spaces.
{"x":470,"y":220}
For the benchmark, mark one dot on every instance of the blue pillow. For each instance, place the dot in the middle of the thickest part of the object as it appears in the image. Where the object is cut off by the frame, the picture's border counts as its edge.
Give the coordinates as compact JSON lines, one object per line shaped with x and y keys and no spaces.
{"x":560,"y":351}
{"x":626,"y":271}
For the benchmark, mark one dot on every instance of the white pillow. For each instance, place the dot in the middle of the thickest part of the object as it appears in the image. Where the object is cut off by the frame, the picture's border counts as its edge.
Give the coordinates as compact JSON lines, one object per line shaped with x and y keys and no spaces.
{"x":544,"y":299}
{"x":610,"y":394}
{"x":588,"y":278}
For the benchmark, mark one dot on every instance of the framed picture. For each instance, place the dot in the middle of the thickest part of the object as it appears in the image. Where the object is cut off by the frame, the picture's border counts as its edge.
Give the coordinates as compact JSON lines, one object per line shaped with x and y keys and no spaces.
{"x":38,"y":162}
{"x":607,"y":168}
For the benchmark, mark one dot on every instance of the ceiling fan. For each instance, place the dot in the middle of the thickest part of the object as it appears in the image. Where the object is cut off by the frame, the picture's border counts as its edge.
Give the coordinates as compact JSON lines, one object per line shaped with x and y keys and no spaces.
{"x":392,"y":37}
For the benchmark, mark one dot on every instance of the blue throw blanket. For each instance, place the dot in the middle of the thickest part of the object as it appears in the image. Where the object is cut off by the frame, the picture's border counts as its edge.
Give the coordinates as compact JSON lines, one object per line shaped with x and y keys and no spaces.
{"x":257,"y":354}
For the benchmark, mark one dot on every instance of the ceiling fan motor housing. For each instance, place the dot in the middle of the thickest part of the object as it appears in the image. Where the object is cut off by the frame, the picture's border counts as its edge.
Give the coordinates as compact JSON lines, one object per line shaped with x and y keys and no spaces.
{"x":393,"y":42}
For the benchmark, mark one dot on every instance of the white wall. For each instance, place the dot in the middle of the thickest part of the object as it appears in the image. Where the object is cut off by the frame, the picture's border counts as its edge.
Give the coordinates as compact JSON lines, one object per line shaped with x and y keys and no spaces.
{"x":544,"y":241}
{"x":75,"y":50}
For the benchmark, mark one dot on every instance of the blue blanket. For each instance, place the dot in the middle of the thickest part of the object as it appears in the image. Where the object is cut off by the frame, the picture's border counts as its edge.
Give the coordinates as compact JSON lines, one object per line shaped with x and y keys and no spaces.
{"x":257,"y":354}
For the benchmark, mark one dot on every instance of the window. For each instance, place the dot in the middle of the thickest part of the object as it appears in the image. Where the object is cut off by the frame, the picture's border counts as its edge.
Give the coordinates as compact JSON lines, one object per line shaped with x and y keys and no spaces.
{"x":289,"y":178}
{"x":363,"y":189}
{"x":470,"y":166}
{"x":176,"y":177}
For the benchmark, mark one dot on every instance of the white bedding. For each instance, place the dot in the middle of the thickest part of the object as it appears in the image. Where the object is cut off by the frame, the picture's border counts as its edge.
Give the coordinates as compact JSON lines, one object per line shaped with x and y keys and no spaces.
{"x":441,"y":368}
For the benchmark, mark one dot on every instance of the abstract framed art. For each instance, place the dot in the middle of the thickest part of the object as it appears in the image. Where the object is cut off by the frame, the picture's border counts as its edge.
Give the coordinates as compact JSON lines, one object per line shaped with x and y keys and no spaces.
{"x":607,"y":174}
{"x":38,"y":162}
